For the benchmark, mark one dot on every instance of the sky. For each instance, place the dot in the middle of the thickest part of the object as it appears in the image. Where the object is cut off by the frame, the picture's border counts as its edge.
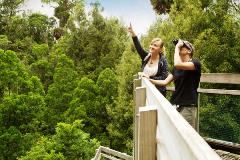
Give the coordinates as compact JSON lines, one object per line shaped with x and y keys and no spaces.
{"x":138,"y":12}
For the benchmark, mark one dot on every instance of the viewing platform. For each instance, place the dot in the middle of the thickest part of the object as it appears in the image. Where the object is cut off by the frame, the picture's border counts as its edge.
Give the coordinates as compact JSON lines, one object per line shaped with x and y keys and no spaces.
{"x":161,"y":133}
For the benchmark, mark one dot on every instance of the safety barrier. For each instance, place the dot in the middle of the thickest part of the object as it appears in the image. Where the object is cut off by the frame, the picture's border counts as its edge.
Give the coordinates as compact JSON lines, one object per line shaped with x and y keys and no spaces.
{"x":161,"y":132}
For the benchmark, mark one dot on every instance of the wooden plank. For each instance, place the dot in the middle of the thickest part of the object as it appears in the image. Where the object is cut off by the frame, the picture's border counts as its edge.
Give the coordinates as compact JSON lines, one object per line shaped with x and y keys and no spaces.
{"x":108,"y":157}
{"x":219,"y":91}
{"x":213,"y":91}
{"x":98,"y":154}
{"x":136,"y":76}
{"x":136,"y":83}
{"x":223,"y":145}
{"x":198,"y":110}
{"x":227,"y":78}
{"x":140,"y":98}
{"x":140,"y":102}
{"x":170,"y":89}
{"x":147,"y":133}
{"x":114,"y":153}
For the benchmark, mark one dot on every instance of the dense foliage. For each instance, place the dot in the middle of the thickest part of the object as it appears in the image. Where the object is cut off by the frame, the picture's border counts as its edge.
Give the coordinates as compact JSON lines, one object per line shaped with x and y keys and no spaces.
{"x":67,"y":88}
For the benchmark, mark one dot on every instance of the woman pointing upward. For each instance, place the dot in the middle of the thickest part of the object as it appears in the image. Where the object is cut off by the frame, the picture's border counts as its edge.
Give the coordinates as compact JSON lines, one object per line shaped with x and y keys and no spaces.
{"x":154,"y":62}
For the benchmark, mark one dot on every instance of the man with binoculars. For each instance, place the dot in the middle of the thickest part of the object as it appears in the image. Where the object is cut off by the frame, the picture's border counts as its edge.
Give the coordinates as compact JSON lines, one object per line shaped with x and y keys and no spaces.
{"x":186,"y":76}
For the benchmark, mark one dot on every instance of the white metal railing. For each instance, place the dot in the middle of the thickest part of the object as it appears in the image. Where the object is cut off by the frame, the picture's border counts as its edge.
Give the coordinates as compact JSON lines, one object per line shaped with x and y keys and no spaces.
{"x":175,"y":139}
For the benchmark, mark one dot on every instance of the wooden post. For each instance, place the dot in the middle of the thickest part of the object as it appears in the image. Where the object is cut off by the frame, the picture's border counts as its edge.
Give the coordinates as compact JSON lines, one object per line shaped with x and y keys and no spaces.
{"x":136,"y":76}
{"x":198,"y":111}
{"x":136,"y":83}
{"x":140,"y":101}
{"x":147,"y":133}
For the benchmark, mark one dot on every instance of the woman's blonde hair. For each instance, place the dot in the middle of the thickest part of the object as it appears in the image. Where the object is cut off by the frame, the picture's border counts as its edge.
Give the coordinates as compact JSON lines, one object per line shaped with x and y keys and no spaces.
{"x":163,"y":49}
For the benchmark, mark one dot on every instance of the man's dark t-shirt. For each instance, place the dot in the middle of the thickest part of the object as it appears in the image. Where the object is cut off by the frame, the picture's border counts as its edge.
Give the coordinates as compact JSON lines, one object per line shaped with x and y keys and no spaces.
{"x":186,"y":84}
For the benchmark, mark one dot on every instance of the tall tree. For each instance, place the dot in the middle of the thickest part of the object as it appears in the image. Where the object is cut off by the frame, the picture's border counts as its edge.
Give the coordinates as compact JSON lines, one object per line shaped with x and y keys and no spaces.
{"x":8,"y":9}
{"x":62,"y":11}
{"x":161,"y":6}
{"x":164,"y":6}
{"x":21,"y":107}
{"x":60,"y":91}
{"x":95,"y":43}
{"x":39,"y":27}
{"x":11,"y":74}
{"x":69,"y":142}
{"x":91,"y":100}
{"x":120,"y":128}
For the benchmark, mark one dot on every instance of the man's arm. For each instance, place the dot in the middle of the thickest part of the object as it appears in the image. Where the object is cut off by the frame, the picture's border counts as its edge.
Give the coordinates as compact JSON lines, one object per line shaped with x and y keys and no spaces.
{"x":178,"y":63}
{"x":177,"y":58}
{"x":165,"y":82}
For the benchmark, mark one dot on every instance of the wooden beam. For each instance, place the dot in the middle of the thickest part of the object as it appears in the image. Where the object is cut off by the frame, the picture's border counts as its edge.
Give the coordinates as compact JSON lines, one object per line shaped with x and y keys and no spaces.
{"x":98,"y":154}
{"x":213,"y":91}
{"x":227,"y":78}
{"x":223,"y":145}
{"x":136,"y":76}
{"x":114,"y":153}
{"x":147,"y":133}
{"x":219,"y":91}
{"x":108,"y":157}
{"x":170,"y":89}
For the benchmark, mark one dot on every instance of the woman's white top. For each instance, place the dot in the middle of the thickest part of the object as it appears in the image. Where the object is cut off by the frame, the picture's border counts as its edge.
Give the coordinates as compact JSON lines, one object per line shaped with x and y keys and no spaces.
{"x":151,"y":69}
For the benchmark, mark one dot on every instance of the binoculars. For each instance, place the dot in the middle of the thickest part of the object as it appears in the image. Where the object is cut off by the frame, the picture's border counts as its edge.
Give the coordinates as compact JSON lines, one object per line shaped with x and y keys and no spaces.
{"x":175,"y":41}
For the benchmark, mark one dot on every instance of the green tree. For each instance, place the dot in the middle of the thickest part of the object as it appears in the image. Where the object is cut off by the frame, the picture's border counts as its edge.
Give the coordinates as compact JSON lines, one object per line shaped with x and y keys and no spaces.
{"x":90,"y":103}
{"x":108,"y":85}
{"x":95,"y":43}
{"x":83,"y":103}
{"x":217,"y":120}
{"x":69,"y":142}
{"x":39,"y":27}
{"x":21,"y":108}
{"x":12,"y":72}
{"x":15,"y":144}
{"x":120,"y":128}
{"x":62,"y":11}
{"x":17,"y":29}
{"x":161,"y":6}
{"x":60,"y":91}
{"x":44,"y":71}
{"x":8,"y":9}
{"x":4,"y":42}
{"x":10,"y":143}
{"x":22,"y":111}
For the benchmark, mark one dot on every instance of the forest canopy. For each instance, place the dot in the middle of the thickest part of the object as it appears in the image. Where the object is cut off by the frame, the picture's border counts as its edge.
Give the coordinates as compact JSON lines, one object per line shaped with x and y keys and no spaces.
{"x":66,"y":82}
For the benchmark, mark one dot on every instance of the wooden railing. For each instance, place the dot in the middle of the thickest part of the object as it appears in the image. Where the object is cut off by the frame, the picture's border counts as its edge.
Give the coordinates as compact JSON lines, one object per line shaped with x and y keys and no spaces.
{"x":221,"y":78}
{"x":227,"y":78}
{"x":160,"y":132}
{"x":110,"y":154}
